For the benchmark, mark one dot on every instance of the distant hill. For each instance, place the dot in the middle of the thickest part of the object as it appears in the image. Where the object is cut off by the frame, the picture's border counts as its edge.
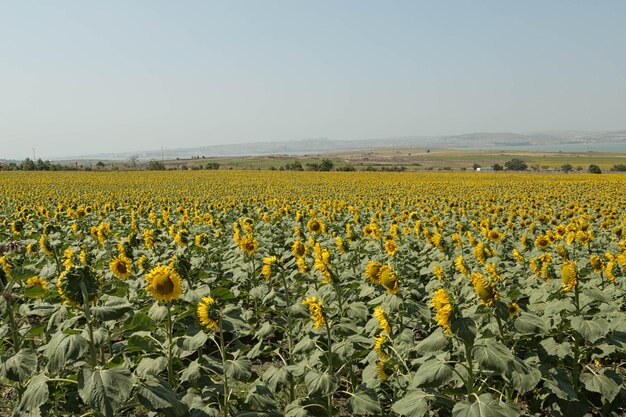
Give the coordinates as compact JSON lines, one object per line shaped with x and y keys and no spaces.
{"x":614,"y":141}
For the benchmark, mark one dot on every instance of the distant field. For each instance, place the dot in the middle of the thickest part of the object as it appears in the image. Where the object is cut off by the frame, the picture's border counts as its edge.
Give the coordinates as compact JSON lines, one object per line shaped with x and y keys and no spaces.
{"x":417,"y":159}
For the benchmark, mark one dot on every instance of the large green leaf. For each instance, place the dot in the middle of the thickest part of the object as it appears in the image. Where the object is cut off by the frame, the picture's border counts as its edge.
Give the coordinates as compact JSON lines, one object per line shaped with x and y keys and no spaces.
{"x":320,"y":383}
{"x":433,"y":373}
{"x":525,"y":378}
{"x":413,"y":404}
{"x":238,"y":369}
{"x":156,"y":395}
{"x":275,"y":378}
{"x":63,"y":348}
{"x":36,"y":393}
{"x":186,"y":345}
{"x":435,"y":342}
{"x":591,"y":330}
{"x":597,"y":382}
{"x":114,"y":309}
{"x":364,"y":401}
{"x":528,"y":323}
{"x":465,"y":328}
{"x":261,"y":398}
{"x":482,"y":406}
{"x":105,"y":389}
{"x":150,"y":366}
{"x":20,"y":366}
{"x":495,"y":356}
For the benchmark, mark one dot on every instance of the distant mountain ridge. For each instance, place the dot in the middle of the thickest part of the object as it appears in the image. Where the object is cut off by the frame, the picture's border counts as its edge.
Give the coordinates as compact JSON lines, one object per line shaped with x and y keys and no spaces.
{"x":478,"y":140}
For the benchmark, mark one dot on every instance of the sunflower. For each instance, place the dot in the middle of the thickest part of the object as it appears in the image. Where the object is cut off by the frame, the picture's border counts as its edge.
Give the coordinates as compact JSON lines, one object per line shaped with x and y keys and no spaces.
{"x":248,"y":244}
{"x":568,"y":275}
{"x":6,"y":266}
{"x":388,"y":279}
{"x":372,"y":272}
{"x":317,"y":313}
{"x":69,"y":285}
{"x":120,"y":266}
{"x":391,"y":247}
{"x":341,"y":247}
{"x":383,"y":323}
{"x":513,"y":309}
{"x":519,"y":258}
{"x":460,"y":266}
{"x":316,"y":226}
{"x":439,"y":272}
{"x":441,"y":303}
{"x":494,"y":235}
{"x":597,"y":264}
{"x":484,"y":289}
{"x":383,"y":370}
{"x":37,"y":281}
{"x":148,"y":238}
{"x":208,"y":313}
{"x":542,"y":242}
{"x":298,"y":249}
{"x":380,"y":346}
{"x":479,"y":253}
{"x":164,"y":283}
{"x":608,"y":270}
{"x":44,"y":244}
{"x":270,"y":265}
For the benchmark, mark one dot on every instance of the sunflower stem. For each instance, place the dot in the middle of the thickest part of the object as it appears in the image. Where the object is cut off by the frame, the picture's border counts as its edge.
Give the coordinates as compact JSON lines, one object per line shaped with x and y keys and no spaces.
{"x":470,"y":369}
{"x":14,"y":331}
{"x":329,"y":355}
{"x":224,"y":374}
{"x":170,"y":363}
{"x":92,"y":346}
{"x":289,"y":336}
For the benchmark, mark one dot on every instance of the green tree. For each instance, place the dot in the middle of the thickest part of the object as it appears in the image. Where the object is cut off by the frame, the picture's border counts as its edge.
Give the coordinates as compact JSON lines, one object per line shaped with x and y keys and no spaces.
{"x":594,"y":169}
{"x":567,"y":168}
{"x":155,"y":166}
{"x":497,"y":167}
{"x":516,"y":164}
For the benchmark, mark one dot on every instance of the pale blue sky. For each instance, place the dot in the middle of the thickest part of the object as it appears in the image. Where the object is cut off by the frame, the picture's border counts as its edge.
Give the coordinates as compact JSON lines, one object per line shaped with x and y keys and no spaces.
{"x":80,"y":77}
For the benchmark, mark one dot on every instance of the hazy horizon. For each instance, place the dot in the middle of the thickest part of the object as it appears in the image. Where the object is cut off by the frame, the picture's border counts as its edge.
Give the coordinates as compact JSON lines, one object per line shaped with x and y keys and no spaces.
{"x":90,"y":77}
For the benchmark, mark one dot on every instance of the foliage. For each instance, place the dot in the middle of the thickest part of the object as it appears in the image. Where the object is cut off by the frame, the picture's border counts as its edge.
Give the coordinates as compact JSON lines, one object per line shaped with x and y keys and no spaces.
{"x":594,"y":169}
{"x":294,"y":293}
{"x":516,"y":164}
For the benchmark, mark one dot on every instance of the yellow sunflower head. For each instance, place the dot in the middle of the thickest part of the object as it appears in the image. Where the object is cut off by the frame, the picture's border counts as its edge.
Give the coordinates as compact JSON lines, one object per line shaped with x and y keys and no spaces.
{"x":164,"y":283}
{"x":209,"y":313}
{"x":568,"y":275}
{"x":372,"y":272}
{"x":120,"y":266}
{"x":389,"y":279}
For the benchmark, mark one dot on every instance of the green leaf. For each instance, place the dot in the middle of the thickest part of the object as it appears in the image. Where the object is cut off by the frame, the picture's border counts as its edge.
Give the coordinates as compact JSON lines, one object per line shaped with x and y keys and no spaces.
{"x":261,"y":398}
{"x":191,"y":372}
{"x":528,"y":323}
{"x":275,"y":378}
{"x":105,"y":389}
{"x":320,"y":383}
{"x":553,"y":348}
{"x":305,"y":345}
{"x":114,"y":309}
{"x":465,"y":328}
{"x":149,"y":366}
{"x":482,"y":406}
{"x":413,"y":404}
{"x":591,"y":330}
{"x":524,"y":377}
{"x":238,"y":369}
{"x":156,"y":395}
{"x":222,"y":293}
{"x":63,"y":348}
{"x":558,"y":382}
{"x":495,"y":356}
{"x":433,"y":373}
{"x":188,"y":345}
{"x":597,"y":382}
{"x":435,"y":342}
{"x":20,"y":366}
{"x":597,"y":295}
{"x":364,"y":401}
{"x":157,"y":312}
{"x":36,"y":393}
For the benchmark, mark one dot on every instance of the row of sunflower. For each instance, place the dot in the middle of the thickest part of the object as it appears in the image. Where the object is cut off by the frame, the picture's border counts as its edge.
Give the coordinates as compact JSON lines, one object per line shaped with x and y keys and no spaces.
{"x":262,"y":293}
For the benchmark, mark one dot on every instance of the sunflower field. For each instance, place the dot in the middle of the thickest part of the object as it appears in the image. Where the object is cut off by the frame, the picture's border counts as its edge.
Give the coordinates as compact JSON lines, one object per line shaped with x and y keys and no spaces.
{"x":261,"y":293}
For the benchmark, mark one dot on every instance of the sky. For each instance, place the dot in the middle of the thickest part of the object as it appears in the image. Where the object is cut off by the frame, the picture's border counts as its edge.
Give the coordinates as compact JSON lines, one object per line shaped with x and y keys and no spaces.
{"x":86,"y":77}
